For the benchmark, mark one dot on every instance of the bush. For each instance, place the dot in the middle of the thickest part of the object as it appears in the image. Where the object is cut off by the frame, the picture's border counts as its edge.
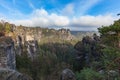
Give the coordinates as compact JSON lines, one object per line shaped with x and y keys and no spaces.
{"x":88,"y":74}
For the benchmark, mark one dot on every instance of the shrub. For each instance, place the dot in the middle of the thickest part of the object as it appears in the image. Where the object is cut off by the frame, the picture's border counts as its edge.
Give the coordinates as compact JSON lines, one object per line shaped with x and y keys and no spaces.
{"x":88,"y":74}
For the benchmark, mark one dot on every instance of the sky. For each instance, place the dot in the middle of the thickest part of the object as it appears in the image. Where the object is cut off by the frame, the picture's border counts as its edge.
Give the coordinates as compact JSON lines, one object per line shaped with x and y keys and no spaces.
{"x":79,"y":15}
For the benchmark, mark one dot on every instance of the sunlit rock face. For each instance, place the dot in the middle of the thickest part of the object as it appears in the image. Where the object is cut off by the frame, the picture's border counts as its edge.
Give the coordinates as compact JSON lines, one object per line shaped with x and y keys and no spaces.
{"x":32,"y":48}
{"x":19,"y":45}
{"x":67,"y":74}
{"x":8,"y":74}
{"x":21,"y":35}
{"x":29,"y":37}
{"x":7,"y":53}
{"x":33,"y":33}
{"x":65,"y":34}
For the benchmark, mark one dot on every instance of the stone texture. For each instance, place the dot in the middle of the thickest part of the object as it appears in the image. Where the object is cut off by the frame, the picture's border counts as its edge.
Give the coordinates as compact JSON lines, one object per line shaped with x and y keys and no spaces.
{"x":65,"y":34}
{"x":88,"y":50}
{"x":8,"y":61}
{"x":7,"y":53}
{"x":8,"y":74}
{"x":32,"y":48}
{"x":67,"y":74}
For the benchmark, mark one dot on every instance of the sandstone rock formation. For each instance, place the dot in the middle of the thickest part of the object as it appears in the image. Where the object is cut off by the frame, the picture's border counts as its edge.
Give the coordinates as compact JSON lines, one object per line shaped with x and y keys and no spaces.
{"x":25,"y":37}
{"x":8,"y":61}
{"x":88,"y":50}
{"x":7,"y":53}
{"x":32,"y":48}
{"x":65,"y":34}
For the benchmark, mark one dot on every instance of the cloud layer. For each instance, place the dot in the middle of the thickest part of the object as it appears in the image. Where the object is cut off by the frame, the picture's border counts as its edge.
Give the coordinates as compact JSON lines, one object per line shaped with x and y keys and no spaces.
{"x":72,"y":15}
{"x":41,"y":17}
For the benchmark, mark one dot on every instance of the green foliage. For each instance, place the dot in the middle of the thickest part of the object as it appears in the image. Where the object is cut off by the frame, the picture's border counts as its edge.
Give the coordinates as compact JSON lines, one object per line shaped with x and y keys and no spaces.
{"x":110,"y":34}
{"x":51,"y":60}
{"x":108,"y":58}
{"x":1,"y":27}
{"x":23,"y":64}
{"x":114,"y":27}
{"x":63,"y":51}
{"x":89,"y":74}
{"x":7,"y":27}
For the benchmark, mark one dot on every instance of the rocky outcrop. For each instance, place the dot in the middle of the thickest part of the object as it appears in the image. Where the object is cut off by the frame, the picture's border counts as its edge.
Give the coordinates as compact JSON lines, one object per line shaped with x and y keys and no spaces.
{"x":36,"y":33}
{"x":8,"y":61}
{"x":19,"y":45}
{"x":7,"y":53}
{"x":65,"y":34}
{"x":25,"y":38}
{"x":67,"y":74}
{"x":88,"y":50}
{"x":8,"y":74}
{"x":32,"y":48}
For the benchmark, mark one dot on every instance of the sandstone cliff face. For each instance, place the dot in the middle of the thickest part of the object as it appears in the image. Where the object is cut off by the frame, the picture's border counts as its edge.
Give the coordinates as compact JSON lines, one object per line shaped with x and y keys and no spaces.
{"x":33,"y":33}
{"x":8,"y":61}
{"x":26,"y":37}
{"x":37,"y":33}
{"x":32,"y":49}
{"x":65,"y":34}
{"x":7,"y":53}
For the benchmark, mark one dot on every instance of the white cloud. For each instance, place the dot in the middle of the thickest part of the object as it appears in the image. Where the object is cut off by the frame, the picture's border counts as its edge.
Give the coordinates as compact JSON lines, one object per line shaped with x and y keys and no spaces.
{"x":68,"y":10}
{"x":40,"y":17}
{"x":39,"y":13}
{"x":92,"y":22}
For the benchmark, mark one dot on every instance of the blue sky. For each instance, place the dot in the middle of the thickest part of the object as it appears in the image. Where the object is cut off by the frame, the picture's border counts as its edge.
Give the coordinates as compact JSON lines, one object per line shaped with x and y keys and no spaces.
{"x":72,"y":14}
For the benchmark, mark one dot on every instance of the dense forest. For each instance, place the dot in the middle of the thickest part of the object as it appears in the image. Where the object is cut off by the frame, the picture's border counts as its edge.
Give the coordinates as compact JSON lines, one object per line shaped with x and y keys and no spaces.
{"x":91,"y":58}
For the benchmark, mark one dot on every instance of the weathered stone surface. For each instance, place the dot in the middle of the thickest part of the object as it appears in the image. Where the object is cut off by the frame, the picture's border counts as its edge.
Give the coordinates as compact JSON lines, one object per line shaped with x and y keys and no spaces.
{"x":19,"y":45}
{"x":88,"y":49}
{"x":111,"y":74}
{"x":7,"y":53}
{"x":21,"y":35}
{"x":67,"y":74}
{"x":32,"y":48}
{"x":8,"y":61}
{"x":65,"y":34}
{"x":8,"y":74}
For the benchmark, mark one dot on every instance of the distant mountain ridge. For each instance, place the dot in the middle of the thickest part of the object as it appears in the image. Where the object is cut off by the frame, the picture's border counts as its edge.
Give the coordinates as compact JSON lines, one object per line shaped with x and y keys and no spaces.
{"x":81,"y":34}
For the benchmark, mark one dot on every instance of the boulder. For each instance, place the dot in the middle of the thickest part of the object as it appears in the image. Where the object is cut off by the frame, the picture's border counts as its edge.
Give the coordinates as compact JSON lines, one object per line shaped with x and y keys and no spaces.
{"x":8,"y":74}
{"x":67,"y":74}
